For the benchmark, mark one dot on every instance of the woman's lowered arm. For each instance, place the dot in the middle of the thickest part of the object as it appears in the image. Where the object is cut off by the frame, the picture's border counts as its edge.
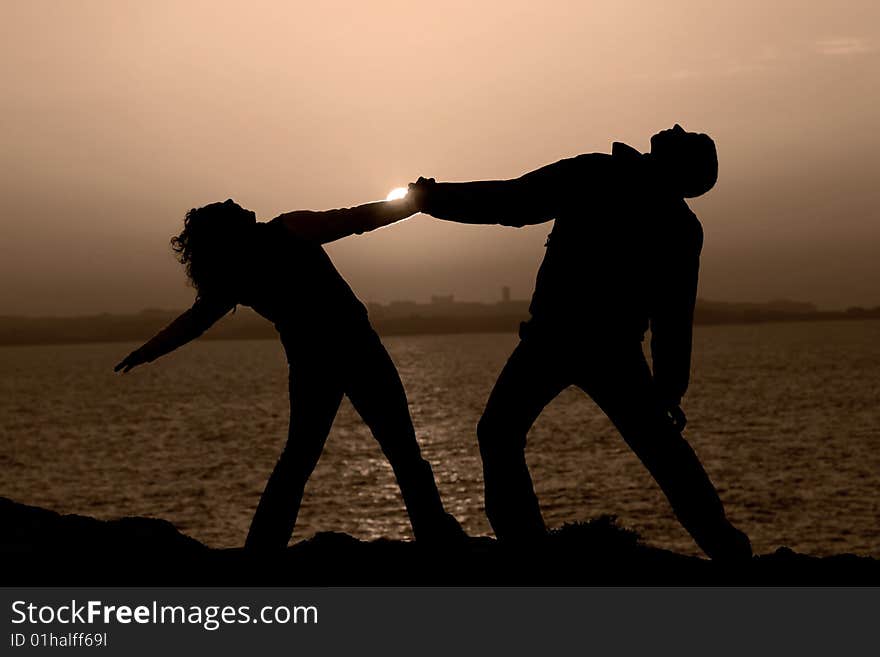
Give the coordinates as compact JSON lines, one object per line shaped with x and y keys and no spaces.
{"x":330,"y":225}
{"x":188,"y":326}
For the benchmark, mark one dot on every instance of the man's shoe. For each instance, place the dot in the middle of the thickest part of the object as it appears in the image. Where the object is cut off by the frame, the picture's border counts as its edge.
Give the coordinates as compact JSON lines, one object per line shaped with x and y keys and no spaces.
{"x":726,"y":544}
{"x":446,"y":530}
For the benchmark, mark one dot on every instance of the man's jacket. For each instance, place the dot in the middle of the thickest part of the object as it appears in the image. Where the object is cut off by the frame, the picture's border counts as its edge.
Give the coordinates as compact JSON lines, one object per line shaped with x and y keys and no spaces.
{"x":623,"y":253}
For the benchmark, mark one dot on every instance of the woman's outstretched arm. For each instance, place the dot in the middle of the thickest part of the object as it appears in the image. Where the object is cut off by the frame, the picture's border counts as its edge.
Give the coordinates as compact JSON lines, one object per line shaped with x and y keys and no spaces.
{"x":188,"y":326}
{"x":330,"y":225}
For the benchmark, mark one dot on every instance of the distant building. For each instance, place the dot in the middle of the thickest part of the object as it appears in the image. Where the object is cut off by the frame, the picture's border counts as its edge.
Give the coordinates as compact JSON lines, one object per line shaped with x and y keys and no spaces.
{"x":505,"y":294}
{"x":442,"y":299}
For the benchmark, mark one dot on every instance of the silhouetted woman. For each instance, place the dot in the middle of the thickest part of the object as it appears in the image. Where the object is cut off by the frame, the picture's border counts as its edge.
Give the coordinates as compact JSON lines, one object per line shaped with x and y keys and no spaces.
{"x":280,"y":270}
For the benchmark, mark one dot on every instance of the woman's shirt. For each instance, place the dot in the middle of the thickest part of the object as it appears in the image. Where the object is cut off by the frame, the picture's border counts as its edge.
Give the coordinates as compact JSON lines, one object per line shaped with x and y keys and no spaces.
{"x":294,"y":284}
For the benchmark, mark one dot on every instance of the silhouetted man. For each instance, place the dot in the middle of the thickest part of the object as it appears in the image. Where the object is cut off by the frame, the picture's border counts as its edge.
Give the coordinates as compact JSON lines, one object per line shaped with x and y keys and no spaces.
{"x":623,"y":254}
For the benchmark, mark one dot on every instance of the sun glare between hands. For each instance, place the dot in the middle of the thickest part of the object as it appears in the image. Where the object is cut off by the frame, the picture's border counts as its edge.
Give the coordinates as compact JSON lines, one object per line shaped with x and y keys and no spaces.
{"x":396,"y":193}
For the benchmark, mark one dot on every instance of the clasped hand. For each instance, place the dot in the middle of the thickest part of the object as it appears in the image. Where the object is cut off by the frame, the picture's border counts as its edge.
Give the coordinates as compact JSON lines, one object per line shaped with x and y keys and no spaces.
{"x":417,"y":192}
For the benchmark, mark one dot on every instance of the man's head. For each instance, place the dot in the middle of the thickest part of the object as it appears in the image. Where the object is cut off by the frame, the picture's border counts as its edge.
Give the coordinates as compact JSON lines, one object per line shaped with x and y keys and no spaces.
{"x":689,"y":160}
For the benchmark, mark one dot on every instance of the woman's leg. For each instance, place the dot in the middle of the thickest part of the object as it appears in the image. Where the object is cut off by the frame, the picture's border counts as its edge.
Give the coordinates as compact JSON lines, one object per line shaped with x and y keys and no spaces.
{"x":373,"y":385}
{"x":315,"y":396}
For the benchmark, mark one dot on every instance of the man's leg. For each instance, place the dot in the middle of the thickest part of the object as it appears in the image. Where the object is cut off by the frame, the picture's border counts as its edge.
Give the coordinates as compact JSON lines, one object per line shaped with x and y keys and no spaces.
{"x":373,"y":385}
{"x":314,"y":400}
{"x":529,"y":381}
{"x":620,"y":382}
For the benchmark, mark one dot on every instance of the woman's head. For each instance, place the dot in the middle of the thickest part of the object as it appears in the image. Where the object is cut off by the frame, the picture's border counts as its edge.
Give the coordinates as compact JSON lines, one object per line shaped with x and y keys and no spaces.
{"x":210,"y":244}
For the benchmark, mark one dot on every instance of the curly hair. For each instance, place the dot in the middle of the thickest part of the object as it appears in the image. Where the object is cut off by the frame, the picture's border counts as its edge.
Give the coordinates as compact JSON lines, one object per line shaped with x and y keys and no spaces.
{"x":208,"y":243}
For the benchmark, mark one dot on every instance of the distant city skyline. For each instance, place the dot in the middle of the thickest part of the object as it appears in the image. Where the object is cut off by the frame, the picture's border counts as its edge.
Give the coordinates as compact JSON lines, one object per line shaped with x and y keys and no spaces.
{"x":440,"y":303}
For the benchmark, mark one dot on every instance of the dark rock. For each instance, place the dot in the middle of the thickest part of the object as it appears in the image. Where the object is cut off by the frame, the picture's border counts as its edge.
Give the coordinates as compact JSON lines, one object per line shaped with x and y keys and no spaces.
{"x":41,"y":547}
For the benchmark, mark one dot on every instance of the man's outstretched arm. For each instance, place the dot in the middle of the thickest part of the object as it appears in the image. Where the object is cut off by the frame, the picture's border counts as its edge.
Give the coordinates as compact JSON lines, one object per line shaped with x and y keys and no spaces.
{"x":530,"y":199}
{"x":330,"y":225}
{"x":186,"y":327}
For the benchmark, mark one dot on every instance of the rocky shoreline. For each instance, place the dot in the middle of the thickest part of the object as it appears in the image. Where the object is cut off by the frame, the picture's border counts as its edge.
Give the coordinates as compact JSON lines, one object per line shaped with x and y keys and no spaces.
{"x":41,"y":547}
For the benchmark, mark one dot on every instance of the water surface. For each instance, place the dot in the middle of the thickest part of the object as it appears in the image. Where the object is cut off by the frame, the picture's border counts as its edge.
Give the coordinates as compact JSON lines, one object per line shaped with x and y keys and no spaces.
{"x":784,"y":416}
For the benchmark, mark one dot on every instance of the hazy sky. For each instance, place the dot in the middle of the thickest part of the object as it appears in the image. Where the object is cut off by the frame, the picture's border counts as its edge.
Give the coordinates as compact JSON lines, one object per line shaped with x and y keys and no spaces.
{"x":116,"y":117}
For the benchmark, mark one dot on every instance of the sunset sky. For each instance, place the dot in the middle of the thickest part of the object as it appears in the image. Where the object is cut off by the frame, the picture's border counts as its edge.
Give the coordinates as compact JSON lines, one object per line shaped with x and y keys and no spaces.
{"x":117,"y":117}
